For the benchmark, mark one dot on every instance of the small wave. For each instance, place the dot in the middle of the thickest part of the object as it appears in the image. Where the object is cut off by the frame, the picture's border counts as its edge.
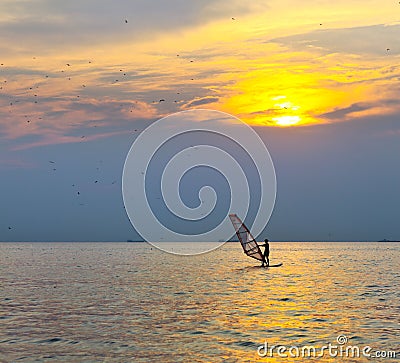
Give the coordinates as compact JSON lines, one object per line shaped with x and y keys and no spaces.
{"x":51,"y":340}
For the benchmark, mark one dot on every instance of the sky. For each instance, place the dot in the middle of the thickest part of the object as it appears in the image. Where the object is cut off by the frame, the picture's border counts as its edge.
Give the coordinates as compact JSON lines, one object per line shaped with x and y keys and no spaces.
{"x":317,"y":80}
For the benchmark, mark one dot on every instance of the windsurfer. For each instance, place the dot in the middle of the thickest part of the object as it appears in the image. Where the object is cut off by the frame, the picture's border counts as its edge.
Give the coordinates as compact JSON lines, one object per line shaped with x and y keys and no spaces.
{"x":265,"y":261}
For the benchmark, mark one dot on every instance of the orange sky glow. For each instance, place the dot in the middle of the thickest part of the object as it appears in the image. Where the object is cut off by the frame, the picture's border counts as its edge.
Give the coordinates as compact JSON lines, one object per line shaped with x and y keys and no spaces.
{"x":273,"y":64}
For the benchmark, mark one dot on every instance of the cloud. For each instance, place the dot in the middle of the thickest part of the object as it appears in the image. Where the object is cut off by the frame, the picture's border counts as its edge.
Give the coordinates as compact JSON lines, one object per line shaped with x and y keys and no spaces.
{"x":360,"y":110}
{"x":68,"y":120}
{"x":343,"y":113}
{"x":13,"y":162}
{"x":202,"y":101}
{"x":57,"y":23}
{"x":373,"y":40}
{"x":57,"y":139}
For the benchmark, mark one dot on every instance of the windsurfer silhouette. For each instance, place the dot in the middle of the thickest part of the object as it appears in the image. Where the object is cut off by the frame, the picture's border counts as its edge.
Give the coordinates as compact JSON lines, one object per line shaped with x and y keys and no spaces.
{"x":265,"y":261}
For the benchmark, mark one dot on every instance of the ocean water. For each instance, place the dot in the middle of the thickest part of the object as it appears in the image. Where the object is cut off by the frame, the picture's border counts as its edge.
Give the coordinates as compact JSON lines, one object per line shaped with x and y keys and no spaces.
{"x":129,"y":302}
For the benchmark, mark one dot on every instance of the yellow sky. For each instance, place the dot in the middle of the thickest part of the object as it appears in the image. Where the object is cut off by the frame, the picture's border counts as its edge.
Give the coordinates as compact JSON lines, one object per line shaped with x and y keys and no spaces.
{"x":246,"y":64}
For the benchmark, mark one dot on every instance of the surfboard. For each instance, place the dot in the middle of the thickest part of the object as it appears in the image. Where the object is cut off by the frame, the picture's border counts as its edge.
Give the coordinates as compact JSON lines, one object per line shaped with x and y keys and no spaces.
{"x":277,"y":265}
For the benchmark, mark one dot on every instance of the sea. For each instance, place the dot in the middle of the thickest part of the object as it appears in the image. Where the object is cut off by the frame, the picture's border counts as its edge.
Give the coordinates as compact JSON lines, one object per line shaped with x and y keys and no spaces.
{"x":130,"y":302}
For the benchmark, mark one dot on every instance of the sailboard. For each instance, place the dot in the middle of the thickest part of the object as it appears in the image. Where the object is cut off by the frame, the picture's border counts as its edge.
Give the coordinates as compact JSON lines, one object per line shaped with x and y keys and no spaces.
{"x":246,"y":239}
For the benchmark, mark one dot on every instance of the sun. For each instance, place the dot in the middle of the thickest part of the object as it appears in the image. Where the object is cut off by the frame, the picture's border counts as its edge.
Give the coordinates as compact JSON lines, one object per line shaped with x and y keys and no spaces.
{"x":285,"y":111}
{"x":283,"y":98}
{"x":286,"y":120}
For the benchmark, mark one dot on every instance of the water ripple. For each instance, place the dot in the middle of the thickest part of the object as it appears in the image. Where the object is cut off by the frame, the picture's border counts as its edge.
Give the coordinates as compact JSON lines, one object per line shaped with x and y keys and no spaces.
{"x":126,"y":302}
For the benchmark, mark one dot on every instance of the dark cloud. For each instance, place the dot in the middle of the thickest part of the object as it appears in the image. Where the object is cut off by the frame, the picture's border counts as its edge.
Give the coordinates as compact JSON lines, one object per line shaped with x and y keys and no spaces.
{"x":202,"y":101}
{"x":342,"y":113}
{"x":57,"y":23}
{"x":345,"y":113}
{"x":11,"y":71}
